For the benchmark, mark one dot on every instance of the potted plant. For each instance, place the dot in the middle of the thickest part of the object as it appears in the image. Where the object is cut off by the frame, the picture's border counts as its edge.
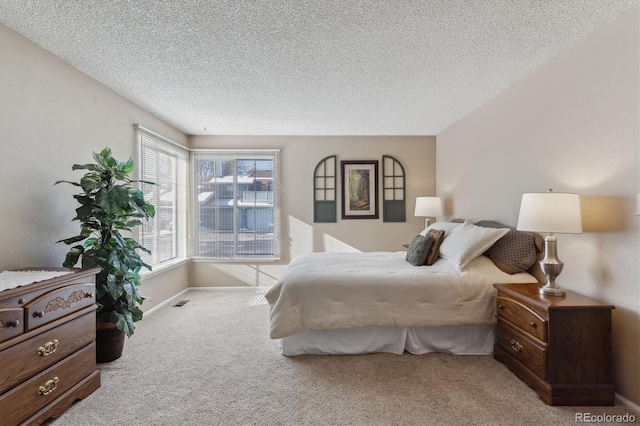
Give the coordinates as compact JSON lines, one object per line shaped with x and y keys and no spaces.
{"x":110,"y":205}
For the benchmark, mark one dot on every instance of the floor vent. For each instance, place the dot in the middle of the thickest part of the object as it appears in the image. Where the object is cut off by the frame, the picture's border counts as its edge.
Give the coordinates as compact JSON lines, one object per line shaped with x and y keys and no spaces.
{"x":181,"y":303}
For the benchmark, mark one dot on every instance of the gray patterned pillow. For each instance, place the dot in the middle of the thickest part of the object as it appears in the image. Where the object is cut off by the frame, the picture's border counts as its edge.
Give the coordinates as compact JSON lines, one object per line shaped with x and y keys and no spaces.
{"x":418,"y":250}
{"x":513,"y":253}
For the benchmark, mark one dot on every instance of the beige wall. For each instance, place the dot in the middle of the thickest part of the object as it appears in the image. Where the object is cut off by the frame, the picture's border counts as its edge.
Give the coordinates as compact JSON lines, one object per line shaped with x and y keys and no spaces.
{"x":51,"y":117}
{"x":299,"y":156}
{"x":573,"y":126}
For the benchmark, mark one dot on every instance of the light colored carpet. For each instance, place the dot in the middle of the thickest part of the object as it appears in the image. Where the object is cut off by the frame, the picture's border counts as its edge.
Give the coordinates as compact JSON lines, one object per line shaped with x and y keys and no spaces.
{"x":211,"y":362}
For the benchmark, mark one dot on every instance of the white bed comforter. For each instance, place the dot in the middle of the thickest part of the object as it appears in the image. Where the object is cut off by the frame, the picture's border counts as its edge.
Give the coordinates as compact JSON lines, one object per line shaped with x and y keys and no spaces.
{"x":319,"y":291}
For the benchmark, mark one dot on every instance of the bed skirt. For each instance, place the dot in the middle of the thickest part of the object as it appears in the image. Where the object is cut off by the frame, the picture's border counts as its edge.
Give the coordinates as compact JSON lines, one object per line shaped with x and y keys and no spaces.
{"x":460,"y":339}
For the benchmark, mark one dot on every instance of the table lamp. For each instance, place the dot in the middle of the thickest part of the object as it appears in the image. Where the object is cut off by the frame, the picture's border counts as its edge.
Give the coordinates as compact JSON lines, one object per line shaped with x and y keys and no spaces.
{"x":551,"y":212}
{"x":428,"y":207}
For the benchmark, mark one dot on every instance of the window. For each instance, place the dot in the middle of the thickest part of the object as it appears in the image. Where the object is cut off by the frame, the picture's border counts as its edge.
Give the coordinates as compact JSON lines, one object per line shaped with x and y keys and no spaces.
{"x":234,"y":204}
{"x":164,"y":163}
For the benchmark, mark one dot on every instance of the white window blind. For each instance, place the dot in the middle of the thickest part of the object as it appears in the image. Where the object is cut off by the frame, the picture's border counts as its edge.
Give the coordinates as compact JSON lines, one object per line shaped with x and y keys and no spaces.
{"x":164,"y":163}
{"x":234,"y":204}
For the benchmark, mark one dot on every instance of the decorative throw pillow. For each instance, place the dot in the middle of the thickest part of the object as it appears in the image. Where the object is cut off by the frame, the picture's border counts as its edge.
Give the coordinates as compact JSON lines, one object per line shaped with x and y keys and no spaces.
{"x":515,"y":252}
{"x":418,"y":249}
{"x":468,"y":241}
{"x":437,"y":236}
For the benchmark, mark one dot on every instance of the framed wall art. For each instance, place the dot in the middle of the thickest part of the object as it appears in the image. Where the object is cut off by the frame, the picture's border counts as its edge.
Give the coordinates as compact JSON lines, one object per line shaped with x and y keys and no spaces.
{"x":359,"y":189}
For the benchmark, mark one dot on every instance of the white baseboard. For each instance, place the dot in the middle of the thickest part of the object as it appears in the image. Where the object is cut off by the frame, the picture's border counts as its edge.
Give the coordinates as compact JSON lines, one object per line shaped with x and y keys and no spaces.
{"x":630,"y":405}
{"x":235,"y":287}
{"x":173,"y":298}
{"x":165,"y":303}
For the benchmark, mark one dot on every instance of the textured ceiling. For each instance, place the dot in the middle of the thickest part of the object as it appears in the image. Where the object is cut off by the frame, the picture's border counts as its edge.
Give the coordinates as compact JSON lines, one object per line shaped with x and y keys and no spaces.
{"x":296,"y":67}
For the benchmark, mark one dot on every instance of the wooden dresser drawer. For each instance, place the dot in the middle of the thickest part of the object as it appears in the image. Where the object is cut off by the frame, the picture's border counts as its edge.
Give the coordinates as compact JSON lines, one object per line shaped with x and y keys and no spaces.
{"x":58,"y":303}
{"x":21,"y":402}
{"x":523,"y":349}
{"x":11,"y":323}
{"x":25,"y":359}
{"x":522,"y":317}
{"x":47,"y":343}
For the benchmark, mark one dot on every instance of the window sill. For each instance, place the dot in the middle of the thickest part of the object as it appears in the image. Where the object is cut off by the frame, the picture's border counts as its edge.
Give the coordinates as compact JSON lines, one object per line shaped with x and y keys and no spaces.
{"x":163,"y":267}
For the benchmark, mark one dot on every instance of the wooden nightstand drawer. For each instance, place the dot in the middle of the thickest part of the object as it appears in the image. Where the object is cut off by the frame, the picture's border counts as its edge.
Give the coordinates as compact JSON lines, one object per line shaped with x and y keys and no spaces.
{"x":18,"y":404}
{"x":522,"y":317}
{"x":58,"y":303}
{"x":523,"y":349}
{"x":25,"y":359}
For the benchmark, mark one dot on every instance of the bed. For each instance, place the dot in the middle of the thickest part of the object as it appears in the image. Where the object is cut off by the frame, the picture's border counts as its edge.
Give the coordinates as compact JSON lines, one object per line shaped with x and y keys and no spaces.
{"x":356,"y":303}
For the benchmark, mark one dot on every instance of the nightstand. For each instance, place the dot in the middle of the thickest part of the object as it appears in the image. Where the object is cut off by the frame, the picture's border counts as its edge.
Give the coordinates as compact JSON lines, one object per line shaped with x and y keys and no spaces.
{"x":560,"y":346}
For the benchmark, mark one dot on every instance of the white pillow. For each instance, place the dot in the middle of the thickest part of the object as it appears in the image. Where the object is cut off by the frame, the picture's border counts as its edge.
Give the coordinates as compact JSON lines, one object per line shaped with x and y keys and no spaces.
{"x":468,"y":241}
{"x":441,"y":226}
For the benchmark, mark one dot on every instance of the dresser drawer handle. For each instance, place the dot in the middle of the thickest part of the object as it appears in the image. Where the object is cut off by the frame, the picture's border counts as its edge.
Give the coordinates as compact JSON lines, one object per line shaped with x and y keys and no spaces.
{"x":48,"y":387}
{"x":48,"y":348}
{"x":500,"y":306}
{"x":13,"y":323}
{"x":533,"y":324}
{"x":516,"y":346}
{"x":38,"y":314}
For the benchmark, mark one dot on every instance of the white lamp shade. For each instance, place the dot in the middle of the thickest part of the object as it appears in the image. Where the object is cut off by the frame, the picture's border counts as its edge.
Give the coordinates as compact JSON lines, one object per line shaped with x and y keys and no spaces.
{"x":550,"y":212}
{"x":428,"y":207}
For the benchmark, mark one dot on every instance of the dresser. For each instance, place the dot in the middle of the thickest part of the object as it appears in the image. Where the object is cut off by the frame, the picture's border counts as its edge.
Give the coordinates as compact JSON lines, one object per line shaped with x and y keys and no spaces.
{"x":47,"y":344}
{"x":559,"y":346}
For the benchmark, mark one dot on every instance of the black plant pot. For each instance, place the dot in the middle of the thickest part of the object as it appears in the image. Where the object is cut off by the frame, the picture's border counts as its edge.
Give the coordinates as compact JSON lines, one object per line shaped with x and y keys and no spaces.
{"x":109,"y":342}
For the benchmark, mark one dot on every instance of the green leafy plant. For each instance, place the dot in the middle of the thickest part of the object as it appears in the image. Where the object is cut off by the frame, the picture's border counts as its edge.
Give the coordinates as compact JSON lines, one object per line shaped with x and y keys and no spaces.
{"x":109,"y":205}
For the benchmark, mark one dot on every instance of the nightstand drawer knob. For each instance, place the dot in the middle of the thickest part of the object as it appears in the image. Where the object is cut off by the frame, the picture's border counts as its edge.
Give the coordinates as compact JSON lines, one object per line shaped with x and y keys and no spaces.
{"x":533,"y":324}
{"x":13,"y":323}
{"x":38,"y":314}
{"x":516,"y":346}
{"x":500,"y":306}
